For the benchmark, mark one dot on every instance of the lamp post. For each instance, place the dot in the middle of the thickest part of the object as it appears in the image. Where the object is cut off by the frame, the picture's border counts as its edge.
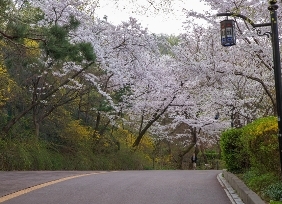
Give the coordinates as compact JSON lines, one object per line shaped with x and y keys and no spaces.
{"x":228,"y":36}
{"x":276,"y":55}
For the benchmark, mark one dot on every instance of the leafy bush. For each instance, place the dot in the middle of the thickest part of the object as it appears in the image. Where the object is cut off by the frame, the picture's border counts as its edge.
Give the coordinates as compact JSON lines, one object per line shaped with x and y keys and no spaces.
{"x":28,"y":154}
{"x":260,"y":141}
{"x":233,"y":153}
{"x":13,"y":156}
{"x":274,"y":191}
{"x":275,"y":202}
{"x":257,"y":181}
{"x":211,"y":154}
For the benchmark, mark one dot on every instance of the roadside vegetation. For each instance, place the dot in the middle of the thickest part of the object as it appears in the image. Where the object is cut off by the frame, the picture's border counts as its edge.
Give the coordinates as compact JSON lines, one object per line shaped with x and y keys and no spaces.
{"x":252,"y":153}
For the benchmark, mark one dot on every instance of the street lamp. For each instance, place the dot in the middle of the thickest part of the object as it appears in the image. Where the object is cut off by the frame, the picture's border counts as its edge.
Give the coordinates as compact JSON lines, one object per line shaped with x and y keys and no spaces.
{"x":276,"y":57}
{"x":228,"y":35}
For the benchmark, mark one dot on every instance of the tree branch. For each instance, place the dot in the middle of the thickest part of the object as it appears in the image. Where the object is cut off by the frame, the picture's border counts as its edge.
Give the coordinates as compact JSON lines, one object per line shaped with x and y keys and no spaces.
{"x":150,"y":123}
{"x":263,"y":85}
{"x":13,"y":121}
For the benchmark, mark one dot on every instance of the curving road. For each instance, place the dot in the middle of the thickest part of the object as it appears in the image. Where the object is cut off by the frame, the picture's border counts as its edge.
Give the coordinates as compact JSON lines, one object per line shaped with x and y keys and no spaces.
{"x":129,"y":187}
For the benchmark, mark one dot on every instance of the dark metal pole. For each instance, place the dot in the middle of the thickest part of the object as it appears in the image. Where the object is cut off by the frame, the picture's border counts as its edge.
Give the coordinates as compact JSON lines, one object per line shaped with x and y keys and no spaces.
{"x":277,"y":69}
{"x":244,"y":18}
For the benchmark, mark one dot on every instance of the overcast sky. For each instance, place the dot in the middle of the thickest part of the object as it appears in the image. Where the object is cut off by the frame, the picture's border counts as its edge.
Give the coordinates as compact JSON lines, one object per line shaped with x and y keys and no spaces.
{"x":170,"y":23}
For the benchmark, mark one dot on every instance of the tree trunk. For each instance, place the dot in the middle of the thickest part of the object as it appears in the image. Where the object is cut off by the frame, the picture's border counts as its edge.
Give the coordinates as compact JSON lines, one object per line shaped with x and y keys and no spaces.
{"x":150,"y":123}
{"x":98,"y":119}
{"x":182,"y":154}
{"x":37,"y":128}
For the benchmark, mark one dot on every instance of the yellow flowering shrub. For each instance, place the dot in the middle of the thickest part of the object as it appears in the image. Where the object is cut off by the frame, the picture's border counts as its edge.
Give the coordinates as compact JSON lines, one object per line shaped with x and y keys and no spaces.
{"x":76,"y":131}
{"x":32,"y":46}
{"x":6,"y":86}
{"x":128,"y":138}
{"x":261,"y":141}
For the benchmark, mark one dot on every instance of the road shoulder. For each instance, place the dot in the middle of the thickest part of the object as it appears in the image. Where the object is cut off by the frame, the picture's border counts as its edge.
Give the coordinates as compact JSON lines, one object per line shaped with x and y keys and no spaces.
{"x":239,"y":192}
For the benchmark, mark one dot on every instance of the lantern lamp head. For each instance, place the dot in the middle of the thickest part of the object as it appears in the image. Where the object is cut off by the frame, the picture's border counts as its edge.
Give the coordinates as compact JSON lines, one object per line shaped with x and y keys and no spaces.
{"x":228,"y":34}
{"x":216,"y":116}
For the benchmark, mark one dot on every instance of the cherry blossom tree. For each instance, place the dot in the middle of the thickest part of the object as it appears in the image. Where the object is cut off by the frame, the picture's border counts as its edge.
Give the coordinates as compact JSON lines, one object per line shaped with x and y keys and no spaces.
{"x":147,"y":7}
{"x":196,"y":80}
{"x":123,"y":52}
{"x":238,"y":80}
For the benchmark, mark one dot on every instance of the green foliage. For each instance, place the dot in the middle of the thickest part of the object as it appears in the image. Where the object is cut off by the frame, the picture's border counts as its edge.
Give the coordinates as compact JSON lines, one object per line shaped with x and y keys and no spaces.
{"x":77,"y":147}
{"x":73,"y":24}
{"x":254,"y":146}
{"x":105,"y":106}
{"x":118,"y":95}
{"x":59,"y":47}
{"x":15,"y":20}
{"x":17,"y":30}
{"x":6,"y":86}
{"x":233,"y":153}
{"x":257,"y":181}
{"x":31,"y":155}
{"x":87,"y":51}
{"x":258,"y":143}
{"x":266,"y":185}
{"x":274,"y":192}
{"x":260,"y":140}
{"x":211,"y":154}
{"x":275,"y":202}
{"x":18,"y":155}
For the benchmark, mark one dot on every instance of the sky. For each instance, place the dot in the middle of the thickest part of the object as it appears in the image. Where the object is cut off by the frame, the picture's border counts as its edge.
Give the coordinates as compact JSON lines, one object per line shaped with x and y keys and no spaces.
{"x":169,"y":23}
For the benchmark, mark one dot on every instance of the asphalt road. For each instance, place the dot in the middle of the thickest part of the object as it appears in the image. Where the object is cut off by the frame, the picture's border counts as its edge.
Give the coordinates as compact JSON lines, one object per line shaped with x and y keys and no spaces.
{"x":122,"y":187}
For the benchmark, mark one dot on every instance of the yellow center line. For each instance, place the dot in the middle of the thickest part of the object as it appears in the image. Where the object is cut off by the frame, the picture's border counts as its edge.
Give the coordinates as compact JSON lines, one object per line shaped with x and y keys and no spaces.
{"x":27,"y":190}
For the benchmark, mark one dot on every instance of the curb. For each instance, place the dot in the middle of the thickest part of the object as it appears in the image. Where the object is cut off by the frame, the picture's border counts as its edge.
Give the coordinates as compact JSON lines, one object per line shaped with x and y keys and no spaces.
{"x":231,"y":194}
{"x":246,"y":194}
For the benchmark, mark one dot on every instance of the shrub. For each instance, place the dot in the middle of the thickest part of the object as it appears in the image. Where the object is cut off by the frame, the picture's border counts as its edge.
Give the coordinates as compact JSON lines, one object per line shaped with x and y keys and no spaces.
{"x":275,"y":202}
{"x":260,"y":141}
{"x":274,"y":191}
{"x":257,"y":181}
{"x":14,"y":156}
{"x":211,"y":154}
{"x":233,"y":153}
